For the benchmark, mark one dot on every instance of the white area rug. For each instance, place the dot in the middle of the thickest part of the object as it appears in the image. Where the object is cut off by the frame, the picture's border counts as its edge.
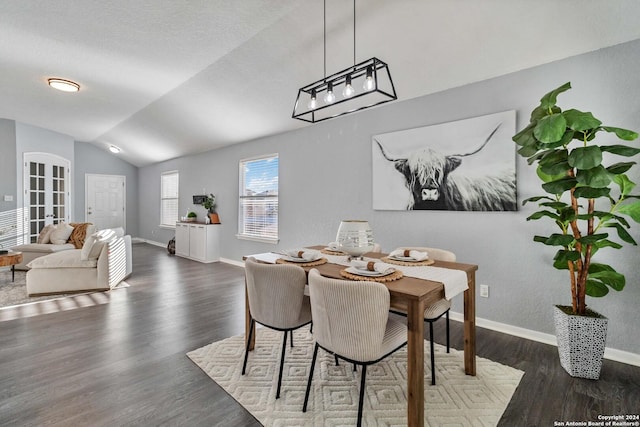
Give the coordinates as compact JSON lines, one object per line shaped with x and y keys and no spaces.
{"x":456,"y":399}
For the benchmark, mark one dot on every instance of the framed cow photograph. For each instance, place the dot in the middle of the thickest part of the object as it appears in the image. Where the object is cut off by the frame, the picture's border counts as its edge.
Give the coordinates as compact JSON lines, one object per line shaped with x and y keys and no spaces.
{"x":466,"y":165}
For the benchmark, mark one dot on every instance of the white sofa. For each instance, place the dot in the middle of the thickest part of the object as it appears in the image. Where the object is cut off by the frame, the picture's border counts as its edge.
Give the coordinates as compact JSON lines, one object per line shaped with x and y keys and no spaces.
{"x":67,"y":272}
{"x":31,"y":251}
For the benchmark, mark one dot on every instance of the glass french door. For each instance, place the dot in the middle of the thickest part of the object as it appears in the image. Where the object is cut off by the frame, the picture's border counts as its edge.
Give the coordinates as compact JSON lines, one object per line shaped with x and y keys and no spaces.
{"x":46,"y":192}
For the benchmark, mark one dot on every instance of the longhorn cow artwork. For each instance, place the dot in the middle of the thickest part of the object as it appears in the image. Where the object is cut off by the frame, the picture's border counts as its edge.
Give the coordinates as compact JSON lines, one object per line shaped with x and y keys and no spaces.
{"x":468,"y":165}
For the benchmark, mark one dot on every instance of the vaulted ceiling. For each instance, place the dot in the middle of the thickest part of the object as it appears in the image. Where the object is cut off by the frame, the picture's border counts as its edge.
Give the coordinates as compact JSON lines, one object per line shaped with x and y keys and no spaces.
{"x":166,"y":78}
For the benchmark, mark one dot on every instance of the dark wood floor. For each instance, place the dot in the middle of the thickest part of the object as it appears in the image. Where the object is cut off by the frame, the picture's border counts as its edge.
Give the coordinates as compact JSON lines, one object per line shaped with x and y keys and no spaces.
{"x":122,"y":362}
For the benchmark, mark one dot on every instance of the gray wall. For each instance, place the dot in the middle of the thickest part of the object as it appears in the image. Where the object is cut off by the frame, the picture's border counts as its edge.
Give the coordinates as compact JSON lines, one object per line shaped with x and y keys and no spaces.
{"x":90,"y":159}
{"x":7,"y":164}
{"x":325,"y":176}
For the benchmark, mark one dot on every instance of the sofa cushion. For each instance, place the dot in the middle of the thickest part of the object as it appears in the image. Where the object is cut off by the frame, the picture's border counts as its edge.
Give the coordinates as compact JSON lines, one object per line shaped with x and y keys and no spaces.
{"x":61,"y":233}
{"x":64,"y":259}
{"x":42,"y":247}
{"x":45,"y":234}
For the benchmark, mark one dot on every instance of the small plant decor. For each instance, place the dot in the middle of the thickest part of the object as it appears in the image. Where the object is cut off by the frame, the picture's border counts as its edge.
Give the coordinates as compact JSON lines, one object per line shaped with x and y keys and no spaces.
{"x":192,"y":215}
{"x":584,"y":198}
{"x":210,"y":203}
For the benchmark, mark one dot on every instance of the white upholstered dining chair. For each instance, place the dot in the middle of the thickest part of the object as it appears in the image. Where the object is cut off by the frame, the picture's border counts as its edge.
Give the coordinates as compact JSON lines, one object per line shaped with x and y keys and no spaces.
{"x":351,"y":320}
{"x":439,"y":308}
{"x":277,"y":301}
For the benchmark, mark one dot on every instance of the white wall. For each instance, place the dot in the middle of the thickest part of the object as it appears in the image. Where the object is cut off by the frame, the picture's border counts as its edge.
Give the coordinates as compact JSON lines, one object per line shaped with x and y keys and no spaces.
{"x":325,"y":176}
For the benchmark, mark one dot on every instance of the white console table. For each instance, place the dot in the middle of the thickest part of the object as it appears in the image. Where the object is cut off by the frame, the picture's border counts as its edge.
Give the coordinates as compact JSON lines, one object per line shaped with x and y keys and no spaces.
{"x":198,"y":241}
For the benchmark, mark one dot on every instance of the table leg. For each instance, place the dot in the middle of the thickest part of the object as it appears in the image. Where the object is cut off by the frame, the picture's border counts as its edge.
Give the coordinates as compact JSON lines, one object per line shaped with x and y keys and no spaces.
{"x":247,"y":320}
{"x":13,"y":273}
{"x":470,"y":325}
{"x":415,"y":363}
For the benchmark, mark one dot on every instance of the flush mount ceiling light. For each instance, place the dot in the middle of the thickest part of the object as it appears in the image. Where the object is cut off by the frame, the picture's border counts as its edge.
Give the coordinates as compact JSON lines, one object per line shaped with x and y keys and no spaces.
{"x":63,"y":85}
{"x":355,"y":88}
{"x":114,"y":149}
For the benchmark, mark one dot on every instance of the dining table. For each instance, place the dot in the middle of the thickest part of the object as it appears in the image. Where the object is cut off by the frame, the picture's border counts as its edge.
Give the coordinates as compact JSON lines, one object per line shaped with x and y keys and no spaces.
{"x":411,"y":295}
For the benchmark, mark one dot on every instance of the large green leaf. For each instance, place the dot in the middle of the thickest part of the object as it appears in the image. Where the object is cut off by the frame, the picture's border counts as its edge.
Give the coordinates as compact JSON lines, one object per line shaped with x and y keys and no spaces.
{"x":625,"y":184}
{"x":619,"y":168}
{"x":589,"y":239}
{"x":540,"y":214}
{"x":622,"y":233}
{"x":550,"y":128}
{"x":596,"y":267}
{"x":609,"y":278}
{"x":559,"y":186}
{"x":631,"y":209}
{"x":591,"y":193}
{"x":580,"y":121}
{"x":625,"y":134}
{"x":525,"y":136}
{"x":606,"y":243}
{"x":596,"y":289}
{"x":597,"y":177}
{"x":585,"y":157}
{"x":621,"y":150}
{"x":528,"y":150}
{"x":549,"y":99}
{"x":555,"y":205}
{"x":555,"y":163}
{"x":556,"y":239}
{"x":564,"y":256}
{"x":539,"y":112}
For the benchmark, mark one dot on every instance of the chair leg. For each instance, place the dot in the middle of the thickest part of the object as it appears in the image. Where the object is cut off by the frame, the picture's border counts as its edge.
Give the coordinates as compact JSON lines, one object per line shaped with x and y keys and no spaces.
{"x":252,"y":326}
{"x":336,"y":357}
{"x":360,"y":403}
{"x":313,"y":364}
{"x":433,"y":356}
{"x":447,"y":331}
{"x":311,"y":328}
{"x":284,"y":349}
{"x":292,"y":338}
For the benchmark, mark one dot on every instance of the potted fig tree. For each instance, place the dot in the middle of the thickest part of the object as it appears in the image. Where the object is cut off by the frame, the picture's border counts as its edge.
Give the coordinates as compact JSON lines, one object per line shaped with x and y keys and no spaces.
{"x":590,"y":204}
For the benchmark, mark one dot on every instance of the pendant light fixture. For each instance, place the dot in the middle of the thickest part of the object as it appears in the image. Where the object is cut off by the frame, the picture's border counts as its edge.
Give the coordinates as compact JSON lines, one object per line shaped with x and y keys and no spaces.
{"x":360,"y":86}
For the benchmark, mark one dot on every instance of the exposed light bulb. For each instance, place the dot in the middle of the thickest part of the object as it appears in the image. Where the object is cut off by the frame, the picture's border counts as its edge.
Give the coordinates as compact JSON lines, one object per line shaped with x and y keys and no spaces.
{"x":348,"y":90}
{"x":313,"y":103}
{"x":329,"y":97}
{"x":369,"y":84}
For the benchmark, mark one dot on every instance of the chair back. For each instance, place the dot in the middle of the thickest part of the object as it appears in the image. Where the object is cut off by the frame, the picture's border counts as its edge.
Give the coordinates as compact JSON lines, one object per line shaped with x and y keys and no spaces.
{"x":276,"y":293}
{"x":435,"y":253}
{"x":349,"y":317}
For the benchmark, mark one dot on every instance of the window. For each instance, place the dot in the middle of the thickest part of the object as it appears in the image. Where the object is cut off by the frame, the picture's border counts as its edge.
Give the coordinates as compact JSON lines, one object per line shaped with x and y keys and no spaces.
{"x":258,"y":210}
{"x":169,"y":199}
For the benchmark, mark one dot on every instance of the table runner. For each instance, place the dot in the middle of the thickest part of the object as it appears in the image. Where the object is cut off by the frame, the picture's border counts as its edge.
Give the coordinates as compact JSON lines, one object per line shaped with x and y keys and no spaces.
{"x":454,"y":281}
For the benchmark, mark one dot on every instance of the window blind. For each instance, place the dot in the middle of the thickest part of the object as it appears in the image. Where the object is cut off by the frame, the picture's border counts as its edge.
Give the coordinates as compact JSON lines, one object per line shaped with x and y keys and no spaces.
{"x":169,"y":198}
{"x":258,"y":198}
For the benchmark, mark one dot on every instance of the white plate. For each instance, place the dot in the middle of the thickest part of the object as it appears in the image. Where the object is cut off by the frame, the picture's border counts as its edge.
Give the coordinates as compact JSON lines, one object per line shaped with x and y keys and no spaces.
{"x":333,"y":250}
{"x":296,"y":259}
{"x":406,"y":258}
{"x":368,"y":273}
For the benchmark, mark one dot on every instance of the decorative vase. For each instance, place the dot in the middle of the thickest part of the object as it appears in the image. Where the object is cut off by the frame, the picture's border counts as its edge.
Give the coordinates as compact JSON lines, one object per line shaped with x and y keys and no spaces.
{"x":581,"y":343}
{"x":214,"y":218}
{"x":355,"y":237}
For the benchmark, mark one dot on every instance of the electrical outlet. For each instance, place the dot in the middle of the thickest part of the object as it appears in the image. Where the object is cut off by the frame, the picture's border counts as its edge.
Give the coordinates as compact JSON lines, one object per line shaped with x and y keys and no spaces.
{"x":484,"y":291}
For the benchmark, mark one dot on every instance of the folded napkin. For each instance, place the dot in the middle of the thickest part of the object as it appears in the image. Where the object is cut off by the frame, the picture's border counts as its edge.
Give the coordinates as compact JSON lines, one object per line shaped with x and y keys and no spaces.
{"x":305,"y":254}
{"x":416,"y":255}
{"x":372,"y":266}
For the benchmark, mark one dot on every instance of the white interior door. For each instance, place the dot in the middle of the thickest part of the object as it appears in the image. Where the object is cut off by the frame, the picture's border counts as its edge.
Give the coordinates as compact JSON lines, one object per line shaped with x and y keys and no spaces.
{"x":47,"y":195}
{"x":105,"y":200}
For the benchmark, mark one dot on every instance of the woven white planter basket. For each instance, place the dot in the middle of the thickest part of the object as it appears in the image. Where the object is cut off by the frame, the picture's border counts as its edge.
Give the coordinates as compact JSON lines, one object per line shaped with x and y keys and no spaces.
{"x":581,"y":343}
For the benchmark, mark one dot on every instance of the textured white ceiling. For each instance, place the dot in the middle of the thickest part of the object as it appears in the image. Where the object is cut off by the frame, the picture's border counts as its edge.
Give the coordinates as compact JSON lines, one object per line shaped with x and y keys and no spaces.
{"x":166,"y":78}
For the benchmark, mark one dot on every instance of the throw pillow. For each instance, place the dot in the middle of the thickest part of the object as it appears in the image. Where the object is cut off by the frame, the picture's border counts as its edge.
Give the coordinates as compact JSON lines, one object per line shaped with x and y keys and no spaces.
{"x":88,"y":245}
{"x":79,"y":233}
{"x":45,"y":234}
{"x":61,"y":233}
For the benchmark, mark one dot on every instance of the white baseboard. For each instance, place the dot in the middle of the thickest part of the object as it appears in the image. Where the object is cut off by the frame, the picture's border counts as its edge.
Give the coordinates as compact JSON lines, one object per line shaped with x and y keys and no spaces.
{"x":232,"y":262}
{"x":151,"y":242}
{"x":609,"y":353}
